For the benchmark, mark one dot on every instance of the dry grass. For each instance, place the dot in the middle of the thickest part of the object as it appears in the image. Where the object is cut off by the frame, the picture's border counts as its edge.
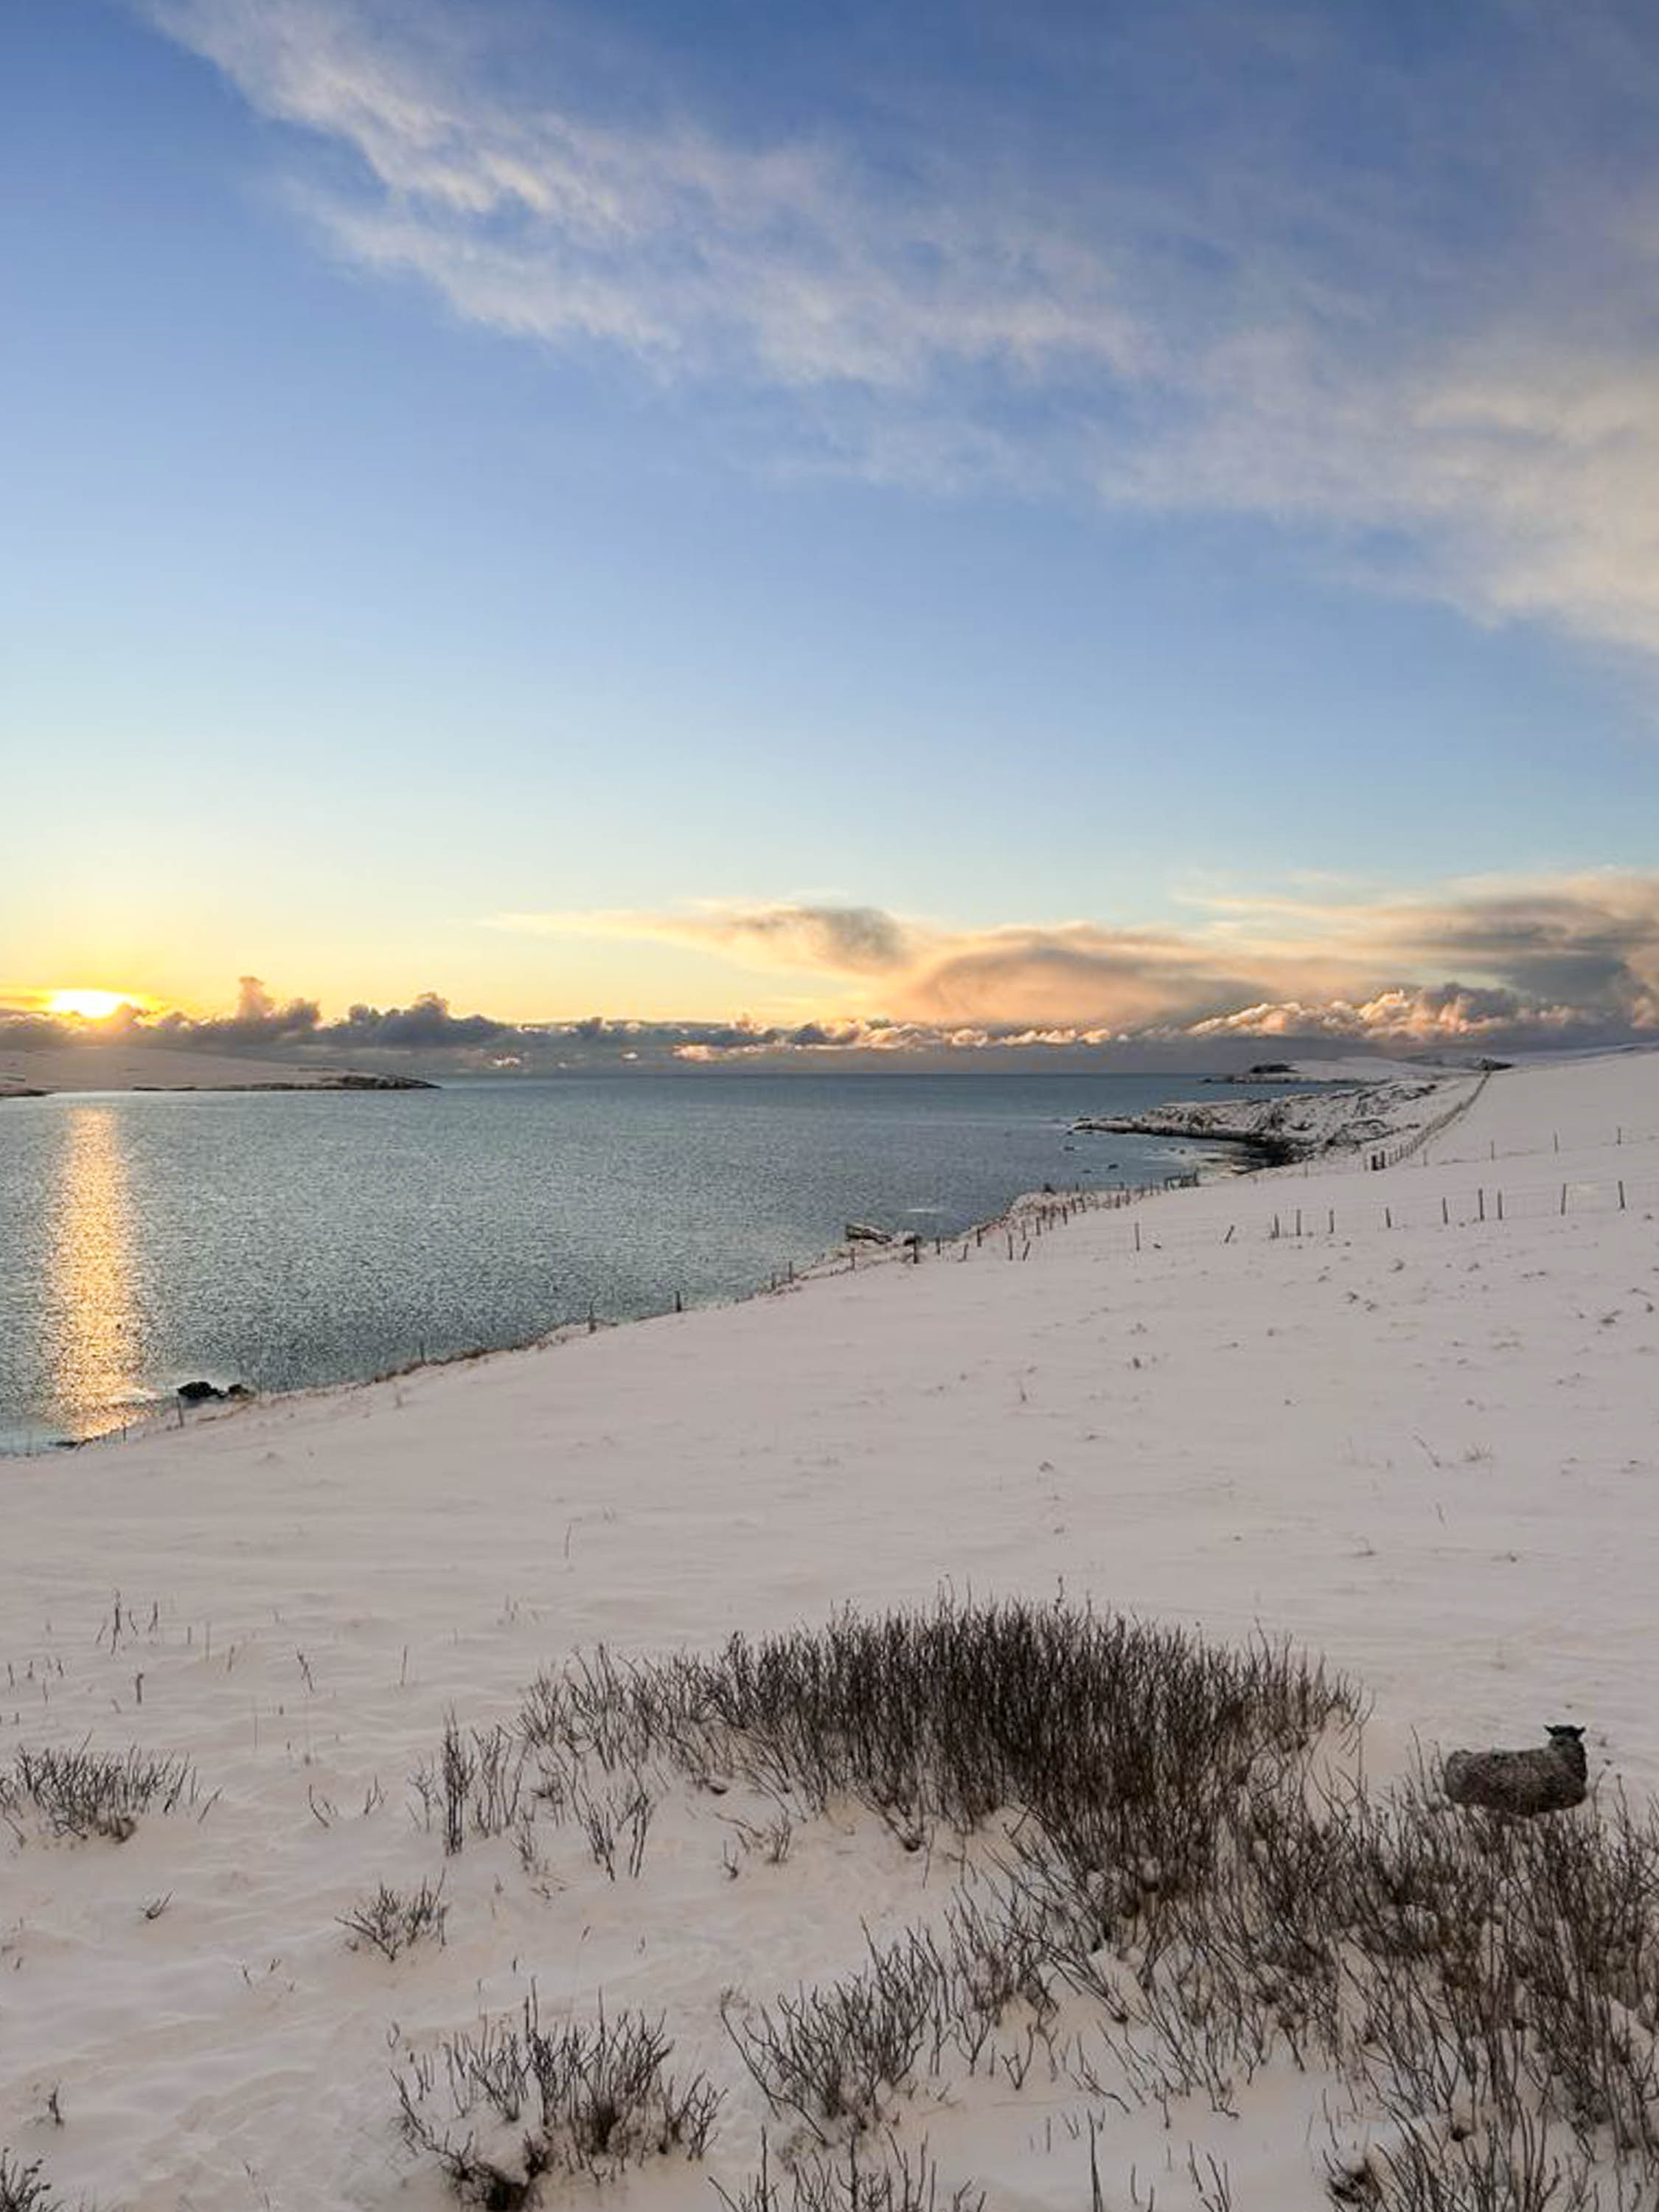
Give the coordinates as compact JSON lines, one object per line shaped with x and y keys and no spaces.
{"x":83,"y":1793}
{"x":1183,"y":1890}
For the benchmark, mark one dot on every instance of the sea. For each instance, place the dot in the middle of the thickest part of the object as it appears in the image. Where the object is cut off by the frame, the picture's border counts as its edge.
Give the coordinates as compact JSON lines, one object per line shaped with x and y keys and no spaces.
{"x":287,"y":1240}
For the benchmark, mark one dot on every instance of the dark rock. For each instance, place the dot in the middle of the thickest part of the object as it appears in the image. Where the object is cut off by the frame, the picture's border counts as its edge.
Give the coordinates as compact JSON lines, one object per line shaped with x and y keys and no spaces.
{"x":357,"y":1082}
{"x":197,"y":1394}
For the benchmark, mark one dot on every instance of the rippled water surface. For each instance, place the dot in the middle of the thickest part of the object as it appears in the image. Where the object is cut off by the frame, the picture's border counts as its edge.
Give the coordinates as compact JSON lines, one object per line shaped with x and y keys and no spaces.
{"x":294,"y":1238}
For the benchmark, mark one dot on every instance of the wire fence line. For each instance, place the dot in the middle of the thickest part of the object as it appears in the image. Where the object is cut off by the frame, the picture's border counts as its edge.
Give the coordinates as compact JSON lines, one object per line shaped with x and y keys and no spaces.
{"x":1015,"y":1236}
{"x":1013,"y":1233}
{"x":1577,"y":1141}
{"x":1481,"y":1205}
{"x":1342,"y":1153}
{"x":1342,"y":1159}
{"x":1393,"y":1155}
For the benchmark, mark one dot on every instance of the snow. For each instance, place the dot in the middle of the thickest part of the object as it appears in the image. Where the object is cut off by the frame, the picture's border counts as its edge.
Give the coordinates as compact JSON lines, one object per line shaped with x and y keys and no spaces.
{"x":1424,"y":1448}
{"x":1377,"y":1067}
{"x":1306,"y":1122}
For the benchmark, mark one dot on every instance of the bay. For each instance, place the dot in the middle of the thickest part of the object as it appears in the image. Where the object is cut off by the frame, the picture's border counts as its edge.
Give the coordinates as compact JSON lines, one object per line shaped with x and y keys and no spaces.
{"x":292,"y":1239}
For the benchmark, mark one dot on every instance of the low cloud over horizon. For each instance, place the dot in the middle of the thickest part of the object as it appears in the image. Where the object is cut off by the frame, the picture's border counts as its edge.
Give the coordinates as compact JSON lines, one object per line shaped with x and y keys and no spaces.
{"x":1493,"y":967}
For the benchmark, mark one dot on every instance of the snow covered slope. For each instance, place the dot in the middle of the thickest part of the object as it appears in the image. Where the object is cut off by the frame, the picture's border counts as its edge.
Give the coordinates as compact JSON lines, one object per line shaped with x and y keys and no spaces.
{"x":1414,"y":1436}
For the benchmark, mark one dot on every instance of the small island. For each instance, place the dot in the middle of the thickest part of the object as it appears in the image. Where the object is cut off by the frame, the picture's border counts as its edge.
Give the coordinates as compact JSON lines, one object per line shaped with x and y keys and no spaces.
{"x":351,"y":1081}
{"x":53,"y":1070}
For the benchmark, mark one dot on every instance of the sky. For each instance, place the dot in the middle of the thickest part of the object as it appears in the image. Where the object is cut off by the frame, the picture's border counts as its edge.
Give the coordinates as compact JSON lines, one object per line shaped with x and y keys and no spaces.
{"x":884,"y":526}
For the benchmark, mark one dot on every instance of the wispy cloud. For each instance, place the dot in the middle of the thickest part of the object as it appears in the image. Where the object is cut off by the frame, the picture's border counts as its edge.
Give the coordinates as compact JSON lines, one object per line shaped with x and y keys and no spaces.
{"x":780,"y":259}
{"x":850,"y":940}
{"x":1449,"y":347}
{"x":1524,"y":487}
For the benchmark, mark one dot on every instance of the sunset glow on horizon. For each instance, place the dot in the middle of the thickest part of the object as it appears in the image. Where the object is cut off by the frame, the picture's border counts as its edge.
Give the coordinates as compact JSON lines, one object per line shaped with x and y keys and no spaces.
{"x":1121,"y":522}
{"x":91,"y":1005}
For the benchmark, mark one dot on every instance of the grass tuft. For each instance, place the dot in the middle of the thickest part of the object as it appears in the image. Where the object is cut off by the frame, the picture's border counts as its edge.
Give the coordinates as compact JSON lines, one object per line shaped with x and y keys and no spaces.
{"x":593,"y":2097}
{"x":392,"y":1921}
{"x":901,"y":2181}
{"x":84,"y":1793}
{"x":22,"y":2189}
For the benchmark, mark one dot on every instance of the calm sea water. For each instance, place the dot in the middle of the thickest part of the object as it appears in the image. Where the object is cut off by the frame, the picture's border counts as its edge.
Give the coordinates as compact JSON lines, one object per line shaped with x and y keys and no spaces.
{"x":293,"y":1239}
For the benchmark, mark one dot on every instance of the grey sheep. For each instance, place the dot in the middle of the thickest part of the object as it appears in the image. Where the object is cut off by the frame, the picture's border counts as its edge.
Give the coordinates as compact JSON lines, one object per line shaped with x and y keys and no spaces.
{"x":1546,"y":1780}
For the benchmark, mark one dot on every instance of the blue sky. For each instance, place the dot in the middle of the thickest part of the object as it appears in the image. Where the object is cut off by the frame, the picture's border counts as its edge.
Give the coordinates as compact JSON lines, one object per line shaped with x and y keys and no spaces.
{"x":563,"y":508}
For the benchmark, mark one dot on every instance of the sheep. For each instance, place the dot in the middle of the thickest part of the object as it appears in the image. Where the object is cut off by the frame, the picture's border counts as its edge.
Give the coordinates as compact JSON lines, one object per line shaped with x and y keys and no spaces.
{"x":1546,"y":1780}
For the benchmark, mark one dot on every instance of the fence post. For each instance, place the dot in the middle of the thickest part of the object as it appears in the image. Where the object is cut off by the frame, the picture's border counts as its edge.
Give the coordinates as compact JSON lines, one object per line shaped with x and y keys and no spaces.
{"x":1500,"y":1205}
{"x":1564,"y":1198}
{"x":1621,"y":1194}
{"x":1481,"y":1206}
{"x":1137,"y":1236}
{"x":1445,"y":1214}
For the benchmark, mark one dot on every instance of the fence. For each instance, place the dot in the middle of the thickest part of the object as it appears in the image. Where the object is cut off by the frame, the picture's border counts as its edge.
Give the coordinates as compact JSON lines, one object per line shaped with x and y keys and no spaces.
{"x":1390,"y":1156}
{"x":1485,"y":1202}
{"x":1480,"y":1204}
{"x":1018,"y":1234}
{"x":1608,"y":1140}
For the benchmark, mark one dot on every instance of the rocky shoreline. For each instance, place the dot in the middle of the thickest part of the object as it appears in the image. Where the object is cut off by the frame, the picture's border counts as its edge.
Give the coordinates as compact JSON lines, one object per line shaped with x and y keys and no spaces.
{"x":1279,"y":1132}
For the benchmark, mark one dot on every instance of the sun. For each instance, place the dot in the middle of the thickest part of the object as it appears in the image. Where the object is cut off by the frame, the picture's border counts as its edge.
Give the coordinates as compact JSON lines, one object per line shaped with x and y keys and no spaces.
{"x":90,"y":1005}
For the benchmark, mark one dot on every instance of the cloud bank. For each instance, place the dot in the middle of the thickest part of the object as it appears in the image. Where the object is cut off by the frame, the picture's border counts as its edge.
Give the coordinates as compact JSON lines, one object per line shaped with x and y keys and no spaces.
{"x":1573,"y":959}
{"x":1262,"y":262}
{"x":1497,"y":967}
{"x":258,"y":1024}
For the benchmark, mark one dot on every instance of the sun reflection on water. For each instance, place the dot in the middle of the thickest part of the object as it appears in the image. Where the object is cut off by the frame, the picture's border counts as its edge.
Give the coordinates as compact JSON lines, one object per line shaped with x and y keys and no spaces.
{"x":95,"y":1354}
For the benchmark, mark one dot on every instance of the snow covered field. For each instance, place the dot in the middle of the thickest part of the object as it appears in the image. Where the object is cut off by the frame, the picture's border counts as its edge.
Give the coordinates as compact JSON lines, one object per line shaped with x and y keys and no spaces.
{"x":1415,"y":1437}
